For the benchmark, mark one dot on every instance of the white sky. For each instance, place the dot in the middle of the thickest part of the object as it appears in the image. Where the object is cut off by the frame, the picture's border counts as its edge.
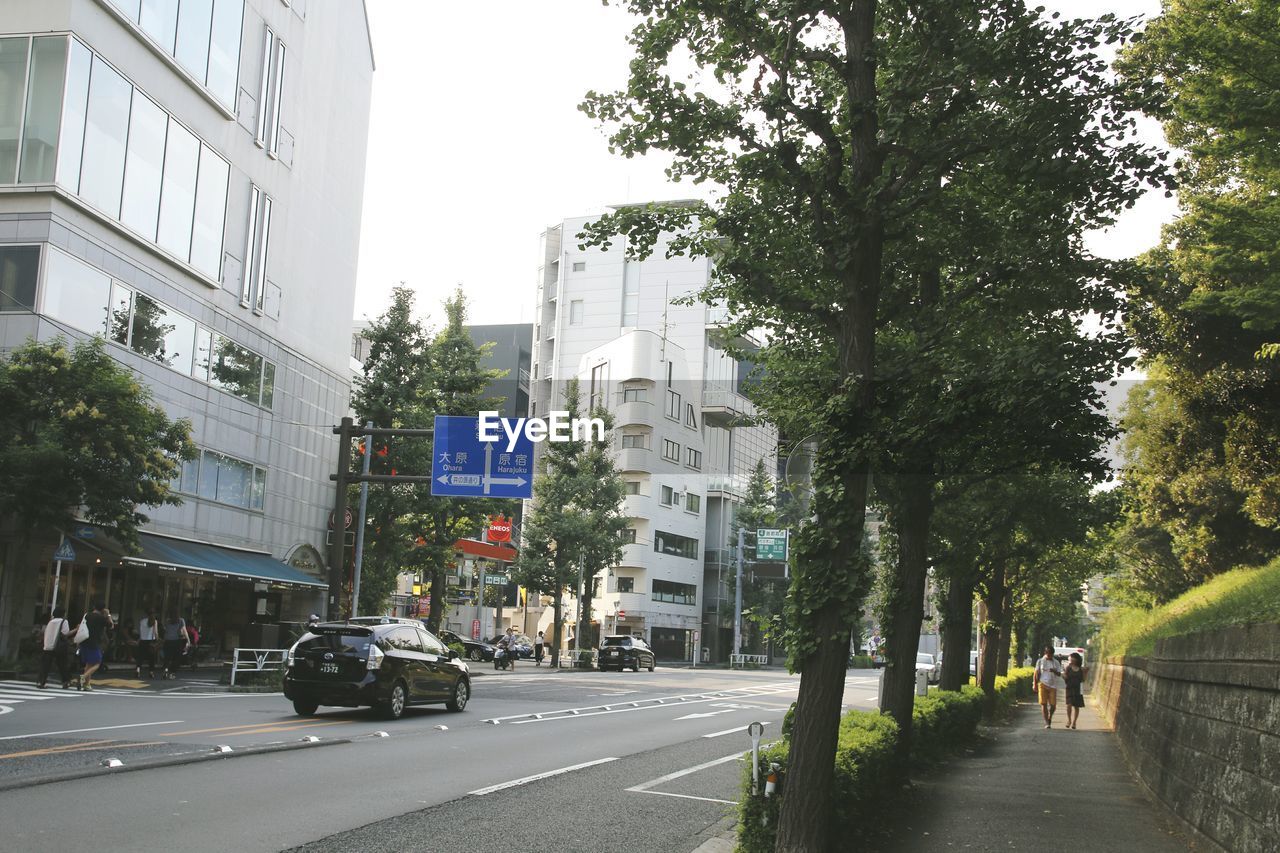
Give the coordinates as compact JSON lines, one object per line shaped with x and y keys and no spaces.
{"x":476,"y":145}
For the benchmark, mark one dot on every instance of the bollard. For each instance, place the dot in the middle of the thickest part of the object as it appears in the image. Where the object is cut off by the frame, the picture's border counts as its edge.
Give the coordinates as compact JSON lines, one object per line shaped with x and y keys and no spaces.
{"x":922,"y":683}
{"x":755,"y":731}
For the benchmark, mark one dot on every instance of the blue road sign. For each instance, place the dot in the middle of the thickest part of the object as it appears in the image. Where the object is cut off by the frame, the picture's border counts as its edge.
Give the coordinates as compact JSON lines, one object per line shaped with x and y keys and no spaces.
{"x":463,"y":466}
{"x":85,"y":531}
{"x":66,"y":552}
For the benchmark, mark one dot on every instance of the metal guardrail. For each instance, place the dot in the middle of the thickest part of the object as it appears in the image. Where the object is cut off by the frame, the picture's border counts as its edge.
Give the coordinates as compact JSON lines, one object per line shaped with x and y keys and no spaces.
{"x":762,"y":660}
{"x":258,"y":660}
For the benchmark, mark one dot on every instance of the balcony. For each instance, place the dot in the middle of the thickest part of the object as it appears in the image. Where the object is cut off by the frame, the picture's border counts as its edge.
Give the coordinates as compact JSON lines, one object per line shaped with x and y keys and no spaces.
{"x":635,"y":555}
{"x":637,"y":506}
{"x":635,"y":459}
{"x":724,"y":407}
{"x":634,"y":413}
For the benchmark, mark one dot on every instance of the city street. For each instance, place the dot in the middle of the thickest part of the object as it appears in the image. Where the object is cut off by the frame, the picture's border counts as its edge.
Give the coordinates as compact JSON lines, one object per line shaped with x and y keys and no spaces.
{"x":540,"y":759}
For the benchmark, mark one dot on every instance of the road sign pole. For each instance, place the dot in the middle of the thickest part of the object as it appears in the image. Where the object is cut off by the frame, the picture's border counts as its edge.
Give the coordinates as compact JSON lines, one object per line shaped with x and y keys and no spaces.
{"x":364,"y":508}
{"x":57,"y":577}
{"x":577,"y":620}
{"x":737,"y":594}
{"x":337,"y":548}
{"x":480,"y":614}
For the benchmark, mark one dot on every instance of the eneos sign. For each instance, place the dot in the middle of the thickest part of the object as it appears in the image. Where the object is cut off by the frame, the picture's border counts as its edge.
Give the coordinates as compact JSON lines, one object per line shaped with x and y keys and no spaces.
{"x":499,"y":529}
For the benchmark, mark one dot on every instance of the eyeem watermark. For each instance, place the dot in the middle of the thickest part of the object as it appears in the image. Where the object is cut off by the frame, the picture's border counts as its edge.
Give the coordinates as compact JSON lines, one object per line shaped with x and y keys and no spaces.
{"x":559,"y":428}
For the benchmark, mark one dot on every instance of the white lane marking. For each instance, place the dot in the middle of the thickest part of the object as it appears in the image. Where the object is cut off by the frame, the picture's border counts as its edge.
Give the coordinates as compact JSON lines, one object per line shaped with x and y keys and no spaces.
{"x":653,"y":783}
{"x":577,"y":715}
{"x":707,"y":714}
{"x":730,"y":731}
{"x":687,"y":699}
{"x":688,"y":797}
{"x":94,"y":729}
{"x":5,"y":709}
{"x":524,"y":780}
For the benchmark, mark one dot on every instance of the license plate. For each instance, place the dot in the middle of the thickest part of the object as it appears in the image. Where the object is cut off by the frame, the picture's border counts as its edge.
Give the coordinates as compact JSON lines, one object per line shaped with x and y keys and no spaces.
{"x":614,"y":653}
{"x":329,"y":668}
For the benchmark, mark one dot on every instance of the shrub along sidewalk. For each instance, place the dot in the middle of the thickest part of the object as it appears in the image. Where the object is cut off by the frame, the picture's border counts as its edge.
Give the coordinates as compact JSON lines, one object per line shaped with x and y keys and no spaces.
{"x":867,"y":767}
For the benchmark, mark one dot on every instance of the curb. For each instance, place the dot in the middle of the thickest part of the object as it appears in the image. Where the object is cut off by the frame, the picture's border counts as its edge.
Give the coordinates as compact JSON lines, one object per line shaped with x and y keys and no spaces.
{"x":166,"y":761}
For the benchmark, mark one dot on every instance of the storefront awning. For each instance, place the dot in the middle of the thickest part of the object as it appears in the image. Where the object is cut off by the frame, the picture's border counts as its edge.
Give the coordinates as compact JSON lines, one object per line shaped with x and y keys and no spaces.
{"x":204,"y":559}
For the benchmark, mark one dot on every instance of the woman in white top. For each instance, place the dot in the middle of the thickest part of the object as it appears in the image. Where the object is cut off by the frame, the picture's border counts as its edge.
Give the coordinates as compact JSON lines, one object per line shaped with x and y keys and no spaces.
{"x":148,"y":635}
{"x":56,"y":643}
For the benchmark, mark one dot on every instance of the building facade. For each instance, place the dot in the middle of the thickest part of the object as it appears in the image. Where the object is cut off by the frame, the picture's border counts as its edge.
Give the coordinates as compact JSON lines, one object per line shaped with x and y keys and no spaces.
{"x":681,"y":439}
{"x":185,"y":179}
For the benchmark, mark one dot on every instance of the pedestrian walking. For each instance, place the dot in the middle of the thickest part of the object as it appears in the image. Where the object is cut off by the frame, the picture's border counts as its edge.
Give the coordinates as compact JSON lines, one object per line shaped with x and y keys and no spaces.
{"x":1047,"y":681}
{"x":97,"y":622}
{"x":513,"y":647}
{"x":148,"y":636}
{"x":56,"y":649}
{"x":1073,"y":675}
{"x":175,"y":642}
{"x":538,"y":645}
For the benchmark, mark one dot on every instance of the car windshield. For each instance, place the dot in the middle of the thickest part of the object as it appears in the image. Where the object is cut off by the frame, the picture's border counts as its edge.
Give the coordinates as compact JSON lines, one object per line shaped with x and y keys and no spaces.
{"x":352,"y":644}
{"x":924,"y":658}
{"x":617,"y":641}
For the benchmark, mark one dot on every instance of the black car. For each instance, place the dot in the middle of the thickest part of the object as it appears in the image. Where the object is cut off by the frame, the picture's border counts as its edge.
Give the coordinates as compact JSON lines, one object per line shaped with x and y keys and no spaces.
{"x":477,"y":650}
{"x":621,"y":652}
{"x":385,"y":666}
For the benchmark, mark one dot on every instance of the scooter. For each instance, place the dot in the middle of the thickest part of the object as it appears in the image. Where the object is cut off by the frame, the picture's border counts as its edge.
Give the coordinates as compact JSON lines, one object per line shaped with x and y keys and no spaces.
{"x":503,"y":659}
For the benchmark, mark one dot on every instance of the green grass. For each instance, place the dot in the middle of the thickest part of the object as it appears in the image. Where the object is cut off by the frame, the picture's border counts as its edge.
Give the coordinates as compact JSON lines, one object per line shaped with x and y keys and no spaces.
{"x":1239,"y":597}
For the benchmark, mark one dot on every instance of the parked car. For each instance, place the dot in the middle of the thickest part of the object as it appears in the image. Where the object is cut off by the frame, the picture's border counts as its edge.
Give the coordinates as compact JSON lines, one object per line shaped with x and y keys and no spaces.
{"x":385,"y":666}
{"x":477,"y":650}
{"x":926,"y":663}
{"x":382,"y":620}
{"x":624,"y":651}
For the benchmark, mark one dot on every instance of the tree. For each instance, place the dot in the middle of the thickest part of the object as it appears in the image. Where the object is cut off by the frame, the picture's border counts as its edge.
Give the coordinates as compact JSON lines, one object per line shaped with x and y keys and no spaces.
{"x":1203,"y":438}
{"x":410,"y":378}
{"x":763,"y":598}
{"x":575,"y":522}
{"x":830,"y":127}
{"x":81,"y":437}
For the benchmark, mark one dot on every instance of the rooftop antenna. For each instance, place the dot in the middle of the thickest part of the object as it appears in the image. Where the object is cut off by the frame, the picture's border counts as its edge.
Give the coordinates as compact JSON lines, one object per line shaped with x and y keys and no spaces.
{"x":666,"y":305}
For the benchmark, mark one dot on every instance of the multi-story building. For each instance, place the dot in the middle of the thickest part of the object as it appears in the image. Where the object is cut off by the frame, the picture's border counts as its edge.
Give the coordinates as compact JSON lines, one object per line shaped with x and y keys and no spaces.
{"x":185,"y":179}
{"x":680,"y":438}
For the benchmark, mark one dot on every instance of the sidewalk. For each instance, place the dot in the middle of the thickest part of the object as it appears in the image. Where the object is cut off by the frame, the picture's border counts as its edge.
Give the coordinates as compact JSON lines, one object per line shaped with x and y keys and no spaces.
{"x":1038,"y":789}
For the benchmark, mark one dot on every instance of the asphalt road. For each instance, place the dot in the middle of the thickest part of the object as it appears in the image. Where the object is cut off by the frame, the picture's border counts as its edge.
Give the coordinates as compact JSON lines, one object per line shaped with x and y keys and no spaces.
{"x":539,"y":760}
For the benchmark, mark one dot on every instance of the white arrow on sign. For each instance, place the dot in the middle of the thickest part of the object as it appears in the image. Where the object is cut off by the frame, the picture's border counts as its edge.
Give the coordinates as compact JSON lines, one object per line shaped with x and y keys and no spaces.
{"x":708,"y":714}
{"x":496,"y":481}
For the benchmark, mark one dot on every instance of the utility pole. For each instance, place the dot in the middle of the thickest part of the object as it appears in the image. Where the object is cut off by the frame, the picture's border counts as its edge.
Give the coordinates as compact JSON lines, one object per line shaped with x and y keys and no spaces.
{"x":577,"y":620}
{"x":338,"y":543}
{"x":364,"y":508}
{"x":737,"y":594}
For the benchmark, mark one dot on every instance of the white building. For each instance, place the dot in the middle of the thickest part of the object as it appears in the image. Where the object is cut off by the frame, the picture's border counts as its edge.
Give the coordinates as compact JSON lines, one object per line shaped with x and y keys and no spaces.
{"x":185,"y":179}
{"x":676,"y":397}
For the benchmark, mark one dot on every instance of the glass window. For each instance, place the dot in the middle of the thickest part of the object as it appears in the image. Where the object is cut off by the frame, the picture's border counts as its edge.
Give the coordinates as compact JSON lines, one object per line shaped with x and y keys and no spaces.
{"x":260,"y":257}
{"x":575,"y":312}
{"x":634,"y":395}
{"x":225,"y":480}
{"x":694,"y":459}
{"x":210,"y":213}
{"x":190,"y":476}
{"x":74,"y":110}
{"x":44,"y":109}
{"x":204,"y":349}
{"x":76,"y":293}
{"x":162,"y":334}
{"x":191,"y":47}
{"x":19,"y":266}
{"x":250,"y":246}
{"x":208,"y":485}
{"x":236,"y":369}
{"x":673,"y":404}
{"x":144,"y":164}
{"x":129,"y":7}
{"x":690,"y":418}
{"x":693,"y":503}
{"x":159,"y":19}
{"x":631,"y":487}
{"x":670,"y":450}
{"x":628,"y":535}
{"x":675,"y":593}
{"x":579,"y":266}
{"x":666,"y":496}
{"x":640,"y":441}
{"x":259,"y":488}
{"x":224,"y":50}
{"x":106,"y":130}
{"x":178,"y":195}
{"x":264,"y":86}
{"x":675,"y":545}
{"x":118,"y":316}
{"x":268,"y":384}
{"x":273,"y":143}
{"x":626,"y":584}
{"x":13,"y":77}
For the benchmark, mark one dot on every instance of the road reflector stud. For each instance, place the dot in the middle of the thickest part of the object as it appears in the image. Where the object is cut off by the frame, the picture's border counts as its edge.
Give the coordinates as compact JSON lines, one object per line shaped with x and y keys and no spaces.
{"x":491,"y":722}
{"x":222,"y":747}
{"x":442,"y":728}
{"x":311,"y":739}
{"x":112,"y":762}
{"x":381,"y":734}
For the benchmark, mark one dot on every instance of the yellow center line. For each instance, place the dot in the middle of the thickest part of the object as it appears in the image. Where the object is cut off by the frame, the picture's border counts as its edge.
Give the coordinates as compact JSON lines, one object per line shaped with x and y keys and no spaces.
{"x":53,"y":750}
{"x":233,"y":728}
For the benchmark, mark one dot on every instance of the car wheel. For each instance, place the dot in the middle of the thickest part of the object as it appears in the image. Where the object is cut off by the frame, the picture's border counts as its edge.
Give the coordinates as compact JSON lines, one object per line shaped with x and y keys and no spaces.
{"x":393,"y":708}
{"x":304,"y":709}
{"x":461,"y":693}
{"x":475,"y":655}
{"x":651,"y":666}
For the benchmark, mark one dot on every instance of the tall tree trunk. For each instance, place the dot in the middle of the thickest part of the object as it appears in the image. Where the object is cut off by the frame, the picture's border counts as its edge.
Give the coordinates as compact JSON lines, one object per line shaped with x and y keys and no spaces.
{"x":557,"y":627}
{"x":1006,"y":632}
{"x":438,"y":591}
{"x":906,"y":601}
{"x":993,"y":600}
{"x":957,"y":628}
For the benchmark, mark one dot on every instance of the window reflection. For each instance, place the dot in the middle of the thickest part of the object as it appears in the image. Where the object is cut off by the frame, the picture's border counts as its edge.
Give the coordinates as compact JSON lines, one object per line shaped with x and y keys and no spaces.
{"x":75,"y":293}
{"x":18,"y":268}
{"x":268,"y":384}
{"x":159,"y":18}
{"x":105,"y":132}
{"x":144,"y":162}
{"x":178,"y":197}
{"x":203,"y":35}
{"x":74,"y":108}
{"x":118,"y":315}
{"x":204,"y":352}
{"x":236,"y":369}
{"x":13,"y":71}
{"x":162,"y":335}
{"x":191,"y":48}
{"x":44,"y":106}
{"x":210,"y":212}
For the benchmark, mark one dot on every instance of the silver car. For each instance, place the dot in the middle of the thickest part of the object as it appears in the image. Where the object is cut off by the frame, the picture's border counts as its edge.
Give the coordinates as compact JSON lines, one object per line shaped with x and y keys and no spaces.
{"x":929,"y":665}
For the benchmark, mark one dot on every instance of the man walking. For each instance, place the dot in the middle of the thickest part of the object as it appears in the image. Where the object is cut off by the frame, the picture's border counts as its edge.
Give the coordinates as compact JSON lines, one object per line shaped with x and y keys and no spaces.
{"x":56,"y":640}
{"x":538,"y":646}
{"x":1047,"y":680}
{"x":91,"y":649}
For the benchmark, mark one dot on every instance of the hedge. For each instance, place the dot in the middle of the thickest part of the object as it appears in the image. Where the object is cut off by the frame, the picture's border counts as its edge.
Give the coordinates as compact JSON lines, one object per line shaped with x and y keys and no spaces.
{"x":866,"y":763}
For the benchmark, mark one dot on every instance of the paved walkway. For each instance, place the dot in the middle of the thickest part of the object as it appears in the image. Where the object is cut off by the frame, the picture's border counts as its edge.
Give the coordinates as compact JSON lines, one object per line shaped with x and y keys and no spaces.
{"x":1038,"y":790}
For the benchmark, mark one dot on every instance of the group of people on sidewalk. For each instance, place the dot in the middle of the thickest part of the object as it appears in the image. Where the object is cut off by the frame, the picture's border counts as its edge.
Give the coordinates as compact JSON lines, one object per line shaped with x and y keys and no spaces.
{"x":1051,"y":676}
{"x":80,"y":644}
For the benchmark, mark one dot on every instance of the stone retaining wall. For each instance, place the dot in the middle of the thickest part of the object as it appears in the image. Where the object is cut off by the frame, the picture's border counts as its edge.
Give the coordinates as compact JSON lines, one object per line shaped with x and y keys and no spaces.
{"x":1199,"y":721}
